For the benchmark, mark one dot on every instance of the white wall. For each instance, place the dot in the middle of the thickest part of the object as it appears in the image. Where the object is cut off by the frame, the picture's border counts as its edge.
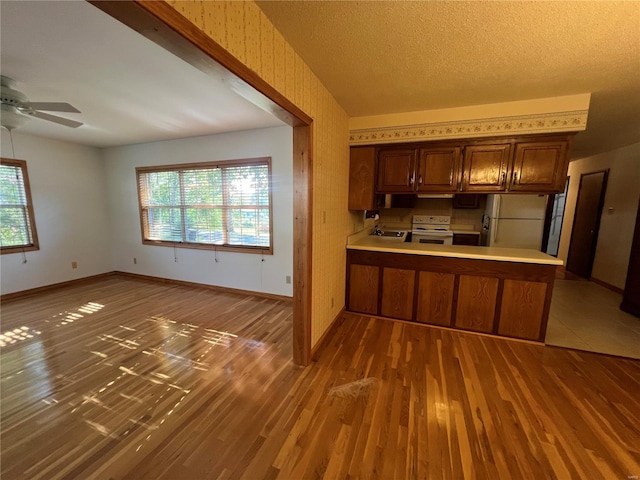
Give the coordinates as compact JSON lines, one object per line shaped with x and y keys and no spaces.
{"x":616,"y":229}
{"x":234,"y":270}
{"x":68,"y":192}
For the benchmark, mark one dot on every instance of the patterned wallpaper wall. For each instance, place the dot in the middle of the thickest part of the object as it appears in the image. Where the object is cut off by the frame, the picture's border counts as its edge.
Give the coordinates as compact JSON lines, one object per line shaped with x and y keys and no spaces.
{"x":243,"y":30}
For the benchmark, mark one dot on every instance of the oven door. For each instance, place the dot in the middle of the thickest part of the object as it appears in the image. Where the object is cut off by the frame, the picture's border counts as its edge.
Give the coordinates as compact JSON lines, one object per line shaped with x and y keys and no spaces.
{"x":433,"y":238}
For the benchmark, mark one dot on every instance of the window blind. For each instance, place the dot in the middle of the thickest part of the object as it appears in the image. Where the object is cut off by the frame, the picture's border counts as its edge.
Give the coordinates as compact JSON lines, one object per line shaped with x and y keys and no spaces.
{"x":226,"y":204}
{"x":17,"y":228}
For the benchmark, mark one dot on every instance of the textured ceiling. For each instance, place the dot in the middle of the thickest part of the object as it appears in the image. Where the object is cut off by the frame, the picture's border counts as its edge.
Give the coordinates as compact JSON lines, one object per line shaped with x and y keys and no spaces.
{"x":400,"y":56}
{"x":128,"y":89}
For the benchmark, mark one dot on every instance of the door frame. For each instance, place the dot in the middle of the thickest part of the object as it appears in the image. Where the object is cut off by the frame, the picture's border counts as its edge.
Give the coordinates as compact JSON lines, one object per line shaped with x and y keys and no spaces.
{"x":164,"y":25}
{"x":596,"y":232}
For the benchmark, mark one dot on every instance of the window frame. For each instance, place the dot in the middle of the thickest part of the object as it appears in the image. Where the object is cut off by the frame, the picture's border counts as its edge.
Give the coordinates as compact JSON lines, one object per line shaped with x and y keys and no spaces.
{"x":34,"y":245}
{"x":260,"y":161}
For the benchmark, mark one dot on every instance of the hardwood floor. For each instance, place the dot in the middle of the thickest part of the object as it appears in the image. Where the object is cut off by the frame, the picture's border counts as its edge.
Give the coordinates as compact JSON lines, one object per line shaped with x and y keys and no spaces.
{"x":122,"y":378}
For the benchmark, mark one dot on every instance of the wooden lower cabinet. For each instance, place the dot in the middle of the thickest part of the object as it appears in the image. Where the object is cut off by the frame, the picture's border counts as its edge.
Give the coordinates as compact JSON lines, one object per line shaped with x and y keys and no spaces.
{"x":435,"y":298}
{"x":522,"y":308}
{"x":509,"y":299}
{"x":476,"y":306}
{"x":397,"y":293}
{"x":363,"y":294}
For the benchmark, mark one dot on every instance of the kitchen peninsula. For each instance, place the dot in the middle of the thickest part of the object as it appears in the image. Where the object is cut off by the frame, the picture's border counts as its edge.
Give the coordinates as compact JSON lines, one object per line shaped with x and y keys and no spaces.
{"x":499,"y":291}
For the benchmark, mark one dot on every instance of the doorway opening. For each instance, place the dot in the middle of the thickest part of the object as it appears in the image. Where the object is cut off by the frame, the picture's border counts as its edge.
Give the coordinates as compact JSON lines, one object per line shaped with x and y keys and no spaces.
{"x":165,"y":26}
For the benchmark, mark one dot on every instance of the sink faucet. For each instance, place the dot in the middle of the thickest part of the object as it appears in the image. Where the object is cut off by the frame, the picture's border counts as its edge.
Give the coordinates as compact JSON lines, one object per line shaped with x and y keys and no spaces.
{"x":377,"y":230}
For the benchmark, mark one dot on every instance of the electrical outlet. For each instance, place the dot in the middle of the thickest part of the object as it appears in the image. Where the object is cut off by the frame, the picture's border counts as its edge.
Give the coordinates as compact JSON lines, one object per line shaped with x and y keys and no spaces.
{"x":288,"y":279}
{"x":135,"y":261}
{"x":74,"y":264}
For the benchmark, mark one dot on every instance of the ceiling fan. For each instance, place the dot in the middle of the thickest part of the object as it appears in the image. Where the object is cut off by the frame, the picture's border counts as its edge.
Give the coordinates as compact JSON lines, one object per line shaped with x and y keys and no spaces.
{"x":16,"y":108}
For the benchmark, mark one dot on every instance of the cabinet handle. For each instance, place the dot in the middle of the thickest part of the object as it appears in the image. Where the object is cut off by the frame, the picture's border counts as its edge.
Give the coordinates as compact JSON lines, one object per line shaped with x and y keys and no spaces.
{"x":460,"y":185}
{"x":411,"y":179}
{"x":504,"y":179}
{"x":419,"y":179}
{"x":514,"y":178}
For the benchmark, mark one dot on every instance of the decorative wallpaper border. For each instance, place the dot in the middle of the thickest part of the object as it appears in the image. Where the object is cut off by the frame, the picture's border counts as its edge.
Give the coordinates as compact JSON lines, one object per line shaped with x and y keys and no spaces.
{"x":487,"y":127}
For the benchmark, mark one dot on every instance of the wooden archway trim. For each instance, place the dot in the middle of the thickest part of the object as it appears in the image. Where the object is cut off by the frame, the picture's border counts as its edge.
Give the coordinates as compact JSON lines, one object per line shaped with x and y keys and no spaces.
{"x":162,"y":24}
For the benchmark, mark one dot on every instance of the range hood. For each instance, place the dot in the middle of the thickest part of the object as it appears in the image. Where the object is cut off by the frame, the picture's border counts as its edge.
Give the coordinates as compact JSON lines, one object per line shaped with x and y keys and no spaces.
{"x":435,"y":195}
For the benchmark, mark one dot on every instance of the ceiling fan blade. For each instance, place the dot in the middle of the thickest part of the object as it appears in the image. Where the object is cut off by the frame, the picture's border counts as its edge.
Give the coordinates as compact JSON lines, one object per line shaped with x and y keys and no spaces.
{"x":53,"y":118}
{"x":52,"y":106}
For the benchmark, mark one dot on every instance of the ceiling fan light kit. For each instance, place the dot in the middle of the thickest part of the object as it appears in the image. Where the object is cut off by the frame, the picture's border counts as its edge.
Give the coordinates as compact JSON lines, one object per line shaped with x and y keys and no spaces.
{"x":15,"y":108}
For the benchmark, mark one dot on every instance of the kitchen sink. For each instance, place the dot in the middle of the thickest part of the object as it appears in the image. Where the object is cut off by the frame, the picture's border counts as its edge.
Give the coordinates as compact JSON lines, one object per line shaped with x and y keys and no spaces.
{"x":391,"y":235}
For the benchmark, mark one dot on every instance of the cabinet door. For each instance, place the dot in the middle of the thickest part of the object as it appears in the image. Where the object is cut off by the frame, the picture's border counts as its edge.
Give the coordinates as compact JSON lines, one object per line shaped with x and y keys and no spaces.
{"x":540,"y":167}
{"x":397,"y":293}
{"x":396,"y":170}
{"x":439,"y":169}
{"x":362,"y":169}
{"x":476,"y":303}
{"x":435,"y":298}
{"x":522,"y":308}
{"x":466,"y":239}
{"x":363,"y":289}
{"x":485,"y":168}
{"x":466,"y":200}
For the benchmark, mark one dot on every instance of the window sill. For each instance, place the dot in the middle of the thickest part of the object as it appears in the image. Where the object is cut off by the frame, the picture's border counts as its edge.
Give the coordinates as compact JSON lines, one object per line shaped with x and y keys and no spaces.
{"x":219,"y":248}
{"x":20,"y":249}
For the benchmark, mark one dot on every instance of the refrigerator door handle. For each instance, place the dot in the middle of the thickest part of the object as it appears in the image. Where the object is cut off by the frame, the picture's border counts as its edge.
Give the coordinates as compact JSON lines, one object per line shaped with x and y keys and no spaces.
{"x":495,"y":229}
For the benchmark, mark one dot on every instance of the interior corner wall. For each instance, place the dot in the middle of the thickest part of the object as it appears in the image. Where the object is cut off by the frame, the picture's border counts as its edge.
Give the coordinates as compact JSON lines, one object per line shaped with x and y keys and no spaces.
{"x":247,"y":34}
{"x":616,"y":226}
{"x":68,"y":191}
{"x":246,"y":271}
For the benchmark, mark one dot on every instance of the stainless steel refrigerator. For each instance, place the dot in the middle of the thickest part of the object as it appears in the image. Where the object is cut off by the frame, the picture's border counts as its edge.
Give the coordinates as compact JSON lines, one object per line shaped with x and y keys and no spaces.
{"x":514,"y":221}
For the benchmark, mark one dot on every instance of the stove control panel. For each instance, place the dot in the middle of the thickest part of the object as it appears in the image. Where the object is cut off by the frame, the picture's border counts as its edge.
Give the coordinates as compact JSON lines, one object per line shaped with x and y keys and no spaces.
{"x":432,"y":219}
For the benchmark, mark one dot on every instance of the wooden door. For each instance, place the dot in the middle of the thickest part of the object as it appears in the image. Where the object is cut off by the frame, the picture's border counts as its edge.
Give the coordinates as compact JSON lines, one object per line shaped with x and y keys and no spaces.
{"x":397,"y":293}
{"x":485,"y":167}
{"x":439,"y":169}
{"x":522,"y":309}
{"x":396,"y":170}
{"x":586,"y":222}
{"x":476,"y":305}
{"x":362,"y":169}
{"x":539,"y":167}
{"x":435,"y":298}
{"x":631,"y":296}
{"x":363,"y":288}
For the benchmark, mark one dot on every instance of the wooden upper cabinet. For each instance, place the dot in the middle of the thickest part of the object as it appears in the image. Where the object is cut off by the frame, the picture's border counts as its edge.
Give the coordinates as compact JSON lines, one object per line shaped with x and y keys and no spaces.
{"x":439,"y":169}
{"x":485,"y":167}
{"x":528,"y":164}
{"x":540,"y":167}
{"x":396,"y":170}
{"x":362,"y":170}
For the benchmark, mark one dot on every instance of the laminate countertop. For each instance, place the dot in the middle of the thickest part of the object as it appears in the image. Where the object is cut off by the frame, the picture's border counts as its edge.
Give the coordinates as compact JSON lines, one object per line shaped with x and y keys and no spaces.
{"x":515,"y":255}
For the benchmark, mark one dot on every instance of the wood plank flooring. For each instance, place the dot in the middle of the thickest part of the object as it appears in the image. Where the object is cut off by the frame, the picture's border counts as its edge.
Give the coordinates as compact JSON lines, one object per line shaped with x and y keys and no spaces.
{"x":122,"y":378}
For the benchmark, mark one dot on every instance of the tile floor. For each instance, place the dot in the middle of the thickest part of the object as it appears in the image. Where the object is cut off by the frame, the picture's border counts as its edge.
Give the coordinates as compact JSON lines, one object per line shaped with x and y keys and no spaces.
{"x":586,"y":316}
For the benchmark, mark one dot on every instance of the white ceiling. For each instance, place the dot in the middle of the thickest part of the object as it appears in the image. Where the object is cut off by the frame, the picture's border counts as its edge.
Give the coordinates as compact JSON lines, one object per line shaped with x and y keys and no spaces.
{"x":128,"y":89}
{"x":380,"y":57}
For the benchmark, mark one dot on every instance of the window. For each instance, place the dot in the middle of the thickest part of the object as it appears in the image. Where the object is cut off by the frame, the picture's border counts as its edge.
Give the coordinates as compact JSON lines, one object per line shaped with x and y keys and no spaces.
{"x":222,"y":205}
{"x":17,"y":224}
